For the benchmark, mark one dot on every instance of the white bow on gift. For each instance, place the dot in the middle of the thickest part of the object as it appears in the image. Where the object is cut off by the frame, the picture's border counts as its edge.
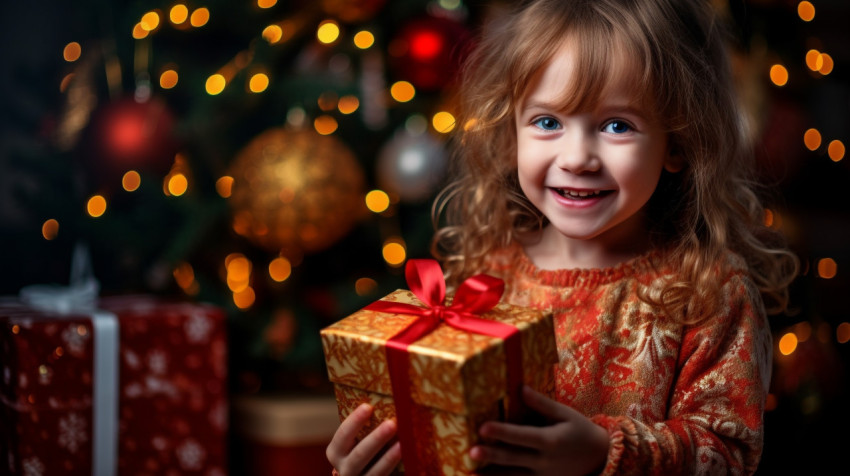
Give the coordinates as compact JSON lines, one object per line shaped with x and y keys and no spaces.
{"x":80,"y":297}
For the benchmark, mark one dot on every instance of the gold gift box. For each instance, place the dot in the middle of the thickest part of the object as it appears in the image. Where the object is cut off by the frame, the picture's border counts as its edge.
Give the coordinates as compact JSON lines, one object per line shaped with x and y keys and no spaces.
{"x":457,"y":378}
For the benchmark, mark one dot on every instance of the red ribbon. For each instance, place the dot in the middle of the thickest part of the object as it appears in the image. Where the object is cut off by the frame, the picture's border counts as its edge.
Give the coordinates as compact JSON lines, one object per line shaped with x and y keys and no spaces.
{"x":476,"y":295}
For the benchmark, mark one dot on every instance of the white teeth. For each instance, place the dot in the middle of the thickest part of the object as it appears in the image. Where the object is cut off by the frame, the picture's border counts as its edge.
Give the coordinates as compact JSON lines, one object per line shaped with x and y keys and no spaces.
{"x":577,"y":194}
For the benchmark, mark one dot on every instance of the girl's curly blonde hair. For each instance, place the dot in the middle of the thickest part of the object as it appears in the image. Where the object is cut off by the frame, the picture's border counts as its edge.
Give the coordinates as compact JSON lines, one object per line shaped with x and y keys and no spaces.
{"x":709,"y":207}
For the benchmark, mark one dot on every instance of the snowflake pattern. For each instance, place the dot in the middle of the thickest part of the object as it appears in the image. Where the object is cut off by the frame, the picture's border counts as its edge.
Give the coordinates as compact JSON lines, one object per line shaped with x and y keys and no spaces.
{"x":72,"y":432}
{"x":197,"y":327}
{"x":191,"y":455}
{"x":74,"y":341}
{"x":33,"y":467}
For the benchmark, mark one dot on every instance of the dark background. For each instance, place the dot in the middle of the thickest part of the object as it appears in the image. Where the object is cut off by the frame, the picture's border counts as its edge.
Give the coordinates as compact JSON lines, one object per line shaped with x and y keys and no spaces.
{"x":53,"y":157}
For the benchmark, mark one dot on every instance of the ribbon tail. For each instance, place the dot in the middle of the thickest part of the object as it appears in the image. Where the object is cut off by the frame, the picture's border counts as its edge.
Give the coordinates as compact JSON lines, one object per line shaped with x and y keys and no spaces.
{"x":514,"y":408}
{"x":398,"y":363}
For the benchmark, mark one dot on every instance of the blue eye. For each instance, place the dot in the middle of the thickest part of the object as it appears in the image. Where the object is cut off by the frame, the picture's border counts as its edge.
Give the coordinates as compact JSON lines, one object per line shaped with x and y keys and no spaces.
{"x":547,"y":123}
{"x":617,"y":127}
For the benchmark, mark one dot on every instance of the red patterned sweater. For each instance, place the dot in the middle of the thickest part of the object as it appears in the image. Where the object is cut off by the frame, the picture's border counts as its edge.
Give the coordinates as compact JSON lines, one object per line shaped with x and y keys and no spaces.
{"x":674,"y":398}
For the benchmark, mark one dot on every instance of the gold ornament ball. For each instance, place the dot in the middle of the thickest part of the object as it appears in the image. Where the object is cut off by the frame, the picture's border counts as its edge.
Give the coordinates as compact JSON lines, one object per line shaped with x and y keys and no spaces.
{"x":295,"y":191}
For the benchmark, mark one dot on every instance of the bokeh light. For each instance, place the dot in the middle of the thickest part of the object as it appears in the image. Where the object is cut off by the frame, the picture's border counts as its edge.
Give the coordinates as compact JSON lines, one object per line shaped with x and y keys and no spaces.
{"x":814,"y":60}
{"x":377,"y":201}
{"x":139,"y":32}
{"x":788,"y":343}
{"x":280,"y":269}
{"x":443,"y":122}
{"x":826,"y":64}
{"x":836,"y":150}
{"x":364,"y":39}
{"x":168,"y":79}
{"x":273,"y":34}
{"x":199,"y":17}
{"x":806,"y":11}
{"x":365,"y":286}
{"x":215,"y":84}
{"x":131,"y":181}
{"x":266,"y":3}
{"x":402,"y":91}
{"x":328,"y":32}
{"x":72,"y":52}
{"x":258,"y":83}
{"x":842,"y":332}
{"x":827,"y":268}
{"x":244,"y":298}
{"x":178,"y":14}
{"x":779,"y":75}
{"x":49,"y":229}
{"x":177,"y":184}
{"x":325,"y":125}
{"x":150,"y":21}
{"x":348,"y":104}
{"x":96,"y":206}
{"x":394,"y":252}
{"x":224,"y":186}
{"x":812,"y":139}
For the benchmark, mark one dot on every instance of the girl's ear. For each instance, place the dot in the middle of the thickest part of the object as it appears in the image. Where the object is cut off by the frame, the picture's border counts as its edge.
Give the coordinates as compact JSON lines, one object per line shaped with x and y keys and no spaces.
{"x":674,"y":162}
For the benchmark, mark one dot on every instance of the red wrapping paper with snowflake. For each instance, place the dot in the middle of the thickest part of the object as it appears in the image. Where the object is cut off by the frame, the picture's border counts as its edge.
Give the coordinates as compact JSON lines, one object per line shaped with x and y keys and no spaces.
{"x":171,"y":392}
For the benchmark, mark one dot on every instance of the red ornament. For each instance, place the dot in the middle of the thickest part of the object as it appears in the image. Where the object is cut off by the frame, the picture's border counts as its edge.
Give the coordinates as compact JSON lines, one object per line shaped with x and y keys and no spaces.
{"x":427,"y":52}
{"x":128,"y":135}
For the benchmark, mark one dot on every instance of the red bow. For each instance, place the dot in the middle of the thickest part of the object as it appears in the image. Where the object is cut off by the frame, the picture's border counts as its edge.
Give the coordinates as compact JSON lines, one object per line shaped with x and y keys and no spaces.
{"x":476,"y":295}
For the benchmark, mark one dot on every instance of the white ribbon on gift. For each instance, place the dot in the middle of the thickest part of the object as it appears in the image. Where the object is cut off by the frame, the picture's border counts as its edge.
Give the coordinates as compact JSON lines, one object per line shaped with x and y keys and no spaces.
{"x":81,"y":297}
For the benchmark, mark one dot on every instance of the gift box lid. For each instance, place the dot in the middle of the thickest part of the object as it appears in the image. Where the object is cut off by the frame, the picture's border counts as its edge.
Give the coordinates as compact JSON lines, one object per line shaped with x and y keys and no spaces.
{"x":451,"y":369}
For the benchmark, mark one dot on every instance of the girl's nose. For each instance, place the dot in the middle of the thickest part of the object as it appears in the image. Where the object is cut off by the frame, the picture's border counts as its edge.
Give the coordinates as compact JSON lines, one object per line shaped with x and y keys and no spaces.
{"x":577,"y":154}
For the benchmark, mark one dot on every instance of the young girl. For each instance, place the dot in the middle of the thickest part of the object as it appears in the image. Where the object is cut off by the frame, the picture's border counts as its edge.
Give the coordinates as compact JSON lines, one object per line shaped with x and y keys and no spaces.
{"x":603,"y":173}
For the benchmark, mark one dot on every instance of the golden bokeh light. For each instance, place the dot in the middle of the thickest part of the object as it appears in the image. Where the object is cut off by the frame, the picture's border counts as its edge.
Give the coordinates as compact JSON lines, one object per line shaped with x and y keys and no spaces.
{"x":328,"y":32}
{"x":812,"y":139}
{"x":272,"y":34}
{"x":258,"y":83}
{"x":66,"y":81}
{"x":768,"y":218}
{"x":150,"y":21}
{"x":803,"y":331}
{"x":394,"y":252}
{"x":827,"y":268}
{"x":788,"y":343}
{"x":131,"y":181}
{"x":178,"y":14}
{"x":178,"y":184}
{"x":364,"y":39}
{"x":779,"y":75}
{"x":842,"y":332}
{"x":139,"y":32}
{"x":96,"y":206}
{"x":266,"y":3}
{"x":348,"y":104}
{"x":814,"y":60}
{"x":402,"y":91}
{"x":244,"y":298}
{"x":443,"y":122}
{"x":224,"y":186}
{"x":365,"y":286}
{"x":280,"y":269}
{"x":72,"y":52}
{"x":377,"y":201}
{"x":199,"y":17}
{"x":168,"y":79}
{"x":806,"y":11}
{"x":215,"y":84}
{"x":826,"y":64}
{"x":836,"y":150}
{"x":50,"y":229}
{"x":325,"y":125}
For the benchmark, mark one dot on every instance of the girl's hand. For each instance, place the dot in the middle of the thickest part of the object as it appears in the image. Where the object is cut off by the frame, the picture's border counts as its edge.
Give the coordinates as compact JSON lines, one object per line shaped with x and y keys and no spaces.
{"x":363,"y":458}
{"x":570,"y":445}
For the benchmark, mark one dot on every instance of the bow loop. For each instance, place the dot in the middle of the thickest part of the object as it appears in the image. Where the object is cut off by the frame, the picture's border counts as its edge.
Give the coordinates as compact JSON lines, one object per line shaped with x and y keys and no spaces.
{"x":478,"y":294}
{"x":425,"y":279}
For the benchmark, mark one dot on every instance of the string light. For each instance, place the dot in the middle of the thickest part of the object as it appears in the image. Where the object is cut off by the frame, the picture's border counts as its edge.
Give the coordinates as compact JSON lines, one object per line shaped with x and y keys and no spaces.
{"x":72,"y":52}
{"x":50,"y":229}
{"x":272,"y":34}
{"x":836,"y":150}
{"x":348,"y":104}
{"x":325,"y":125}
{"x":150,"y":21}
{"x":365,"y":286}
{"x":199,"y":17}
{"x":826,"y":64}
{"x":788,"y":343}
{"x":328,"y":32}
{"x":131,"y":181}
{"x":827,"y":268}
{"x":168,"y":79}
{"x":443,"y":122}
{"x":280,"y":269}
{"x":812,"y":139}
{"x":779,"y":75}
{"x":178,"y":14}
{"x":394,"y":252}
{"x":806,"y":11}
{"x":377,"y":201}
{"x":258,"y":83}
{"x":842,"y":332}
{"x":96,"y":206}
{"x":364,"y":39}
{"x":215,"y":84}
{"x":224,"y":186}
{"x":266,"y":3}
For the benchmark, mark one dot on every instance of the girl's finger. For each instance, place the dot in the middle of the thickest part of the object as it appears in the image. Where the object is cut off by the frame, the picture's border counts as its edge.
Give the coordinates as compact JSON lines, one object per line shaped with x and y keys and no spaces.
{"x":387,"y":462}
{"x":344,"y":438}
{"x":544,"y":405}
{"x":365,"y":451}
{"x":513,"y":457}
{"x":520,"y":435}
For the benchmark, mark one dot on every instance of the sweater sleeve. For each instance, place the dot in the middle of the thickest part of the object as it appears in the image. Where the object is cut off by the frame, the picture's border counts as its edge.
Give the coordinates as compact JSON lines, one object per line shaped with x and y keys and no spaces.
{"x":714,"y":421}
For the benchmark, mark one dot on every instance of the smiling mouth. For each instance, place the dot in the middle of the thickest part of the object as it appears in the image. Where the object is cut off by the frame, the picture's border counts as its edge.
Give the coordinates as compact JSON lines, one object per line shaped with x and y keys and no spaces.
{"x":580,"y":194}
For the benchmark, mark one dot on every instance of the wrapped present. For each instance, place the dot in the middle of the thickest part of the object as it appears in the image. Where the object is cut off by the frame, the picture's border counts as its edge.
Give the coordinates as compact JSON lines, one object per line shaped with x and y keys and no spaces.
{"x":284,"y":435}
{"x":133,"y":385}
{"x":440,"y":369}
